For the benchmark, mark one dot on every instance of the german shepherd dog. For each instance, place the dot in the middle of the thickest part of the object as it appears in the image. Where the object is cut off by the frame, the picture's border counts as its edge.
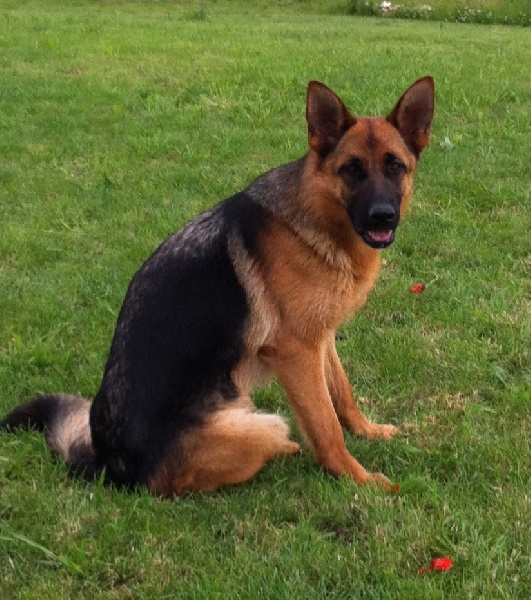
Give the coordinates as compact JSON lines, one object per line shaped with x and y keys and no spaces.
{"x":254,"y":288}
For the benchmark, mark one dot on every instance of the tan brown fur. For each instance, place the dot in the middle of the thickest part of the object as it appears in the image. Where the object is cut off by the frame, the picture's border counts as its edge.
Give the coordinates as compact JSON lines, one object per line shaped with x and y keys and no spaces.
{"x":312,"y":300}
{"x":70,"y":428}
{"x":231,"y":447}
{"x":311,"y":271}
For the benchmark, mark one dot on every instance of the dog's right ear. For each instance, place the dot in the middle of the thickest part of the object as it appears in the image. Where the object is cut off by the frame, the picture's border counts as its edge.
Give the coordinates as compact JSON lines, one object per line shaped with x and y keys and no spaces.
{"x":328,"y":118}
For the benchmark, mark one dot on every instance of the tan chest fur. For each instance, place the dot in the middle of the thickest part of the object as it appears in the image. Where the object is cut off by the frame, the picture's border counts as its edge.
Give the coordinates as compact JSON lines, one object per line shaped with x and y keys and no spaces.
{"x":293,"y":291}
{"x":313,"y":292}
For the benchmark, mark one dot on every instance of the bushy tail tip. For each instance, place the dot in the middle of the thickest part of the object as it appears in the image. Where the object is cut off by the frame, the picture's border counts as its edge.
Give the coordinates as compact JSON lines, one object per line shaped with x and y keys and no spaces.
{"x":65,"y":420}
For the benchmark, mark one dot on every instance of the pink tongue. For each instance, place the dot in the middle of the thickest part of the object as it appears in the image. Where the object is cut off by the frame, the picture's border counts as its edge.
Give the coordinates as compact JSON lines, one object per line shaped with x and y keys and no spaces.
{"x":381,"y":236}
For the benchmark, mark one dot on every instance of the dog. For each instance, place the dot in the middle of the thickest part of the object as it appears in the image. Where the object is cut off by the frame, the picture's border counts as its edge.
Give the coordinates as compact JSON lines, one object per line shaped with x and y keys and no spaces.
{"x":254,"y":288}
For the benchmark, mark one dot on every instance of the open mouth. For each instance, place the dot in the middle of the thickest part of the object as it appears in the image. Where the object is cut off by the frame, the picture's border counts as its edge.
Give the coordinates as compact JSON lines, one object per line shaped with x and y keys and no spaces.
{"x":379,"y":239}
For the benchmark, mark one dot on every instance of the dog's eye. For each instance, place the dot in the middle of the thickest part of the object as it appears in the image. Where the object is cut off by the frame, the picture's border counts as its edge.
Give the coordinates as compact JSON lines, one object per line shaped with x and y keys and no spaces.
{"x":393,"y":166}
{"x":353,"y":169}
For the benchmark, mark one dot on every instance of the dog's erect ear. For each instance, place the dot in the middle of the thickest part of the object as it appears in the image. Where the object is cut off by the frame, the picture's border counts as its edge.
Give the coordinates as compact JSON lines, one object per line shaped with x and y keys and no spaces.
{"x":413,"y":114}
{"x":328,"y":118}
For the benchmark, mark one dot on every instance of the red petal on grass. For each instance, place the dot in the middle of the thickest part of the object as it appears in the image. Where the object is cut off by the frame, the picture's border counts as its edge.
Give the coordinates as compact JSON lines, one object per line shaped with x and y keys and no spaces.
{"x":438,"y":564}
{"x":397,"y":488}
{"x":442,"y":564}
{"x":418,"y":288}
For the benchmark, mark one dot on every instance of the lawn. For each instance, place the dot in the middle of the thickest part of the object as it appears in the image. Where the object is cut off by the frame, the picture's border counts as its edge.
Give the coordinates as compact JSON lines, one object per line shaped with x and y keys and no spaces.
{"x":119,"y":121}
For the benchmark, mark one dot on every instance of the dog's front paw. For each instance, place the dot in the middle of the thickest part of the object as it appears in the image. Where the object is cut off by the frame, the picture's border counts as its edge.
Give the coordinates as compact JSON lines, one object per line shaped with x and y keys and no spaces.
{"x":381,"y":480}
{"x":373,"y":431}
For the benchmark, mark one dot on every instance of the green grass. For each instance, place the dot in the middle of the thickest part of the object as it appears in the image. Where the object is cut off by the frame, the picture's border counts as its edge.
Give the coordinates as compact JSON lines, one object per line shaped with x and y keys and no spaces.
{"x":120,"y":121}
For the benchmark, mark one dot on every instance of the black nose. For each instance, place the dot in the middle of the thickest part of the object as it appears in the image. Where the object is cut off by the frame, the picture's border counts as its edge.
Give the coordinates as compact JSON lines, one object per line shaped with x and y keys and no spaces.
{"x":382,"y":214}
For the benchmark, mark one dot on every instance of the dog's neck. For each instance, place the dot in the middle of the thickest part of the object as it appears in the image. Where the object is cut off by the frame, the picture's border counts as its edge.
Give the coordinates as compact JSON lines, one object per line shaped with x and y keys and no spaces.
{"x":286,"y":192}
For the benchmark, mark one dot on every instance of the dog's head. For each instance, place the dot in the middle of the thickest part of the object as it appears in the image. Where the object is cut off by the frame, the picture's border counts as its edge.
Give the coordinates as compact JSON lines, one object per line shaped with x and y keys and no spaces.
{"x":369,"y":162}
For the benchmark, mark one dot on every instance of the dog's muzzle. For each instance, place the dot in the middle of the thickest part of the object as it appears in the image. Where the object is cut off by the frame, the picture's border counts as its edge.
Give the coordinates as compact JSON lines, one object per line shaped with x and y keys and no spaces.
{"x":379,"y":239}
{"x":380,"y":225}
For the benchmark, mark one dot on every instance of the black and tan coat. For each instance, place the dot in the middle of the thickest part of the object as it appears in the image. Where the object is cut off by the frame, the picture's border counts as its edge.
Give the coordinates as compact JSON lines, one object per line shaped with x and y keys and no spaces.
{"x":252,"y":289}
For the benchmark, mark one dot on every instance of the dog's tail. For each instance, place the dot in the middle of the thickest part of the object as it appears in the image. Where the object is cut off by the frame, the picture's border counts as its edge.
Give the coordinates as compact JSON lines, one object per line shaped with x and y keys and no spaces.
{"x":65,"y":420}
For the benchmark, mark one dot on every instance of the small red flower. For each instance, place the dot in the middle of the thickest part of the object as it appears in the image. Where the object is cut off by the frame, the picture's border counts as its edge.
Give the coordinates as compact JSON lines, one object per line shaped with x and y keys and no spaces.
{"x":397,"y":488}
{"x":418,"y":288}
{"x":438,"y":564}
{"x":442,"y":564}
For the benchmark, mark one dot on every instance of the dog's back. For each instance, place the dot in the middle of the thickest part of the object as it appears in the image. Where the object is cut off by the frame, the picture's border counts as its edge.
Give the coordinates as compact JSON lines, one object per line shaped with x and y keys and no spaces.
{"x":178,"y":338}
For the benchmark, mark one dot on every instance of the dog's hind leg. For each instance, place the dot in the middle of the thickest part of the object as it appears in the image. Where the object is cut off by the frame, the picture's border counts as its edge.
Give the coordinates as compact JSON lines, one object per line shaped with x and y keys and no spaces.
{"x":231,"y":447}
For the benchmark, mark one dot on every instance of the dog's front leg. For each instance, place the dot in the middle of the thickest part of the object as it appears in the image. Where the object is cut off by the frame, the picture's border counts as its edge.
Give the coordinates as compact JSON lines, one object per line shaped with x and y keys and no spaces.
{"x":349,"y":414}
{"x":300,"y":368}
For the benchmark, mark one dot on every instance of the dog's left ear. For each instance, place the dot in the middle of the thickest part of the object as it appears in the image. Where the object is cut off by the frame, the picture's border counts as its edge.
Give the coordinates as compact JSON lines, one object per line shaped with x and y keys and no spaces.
{"x":413,"y":114}
{"x":328,"y":118}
